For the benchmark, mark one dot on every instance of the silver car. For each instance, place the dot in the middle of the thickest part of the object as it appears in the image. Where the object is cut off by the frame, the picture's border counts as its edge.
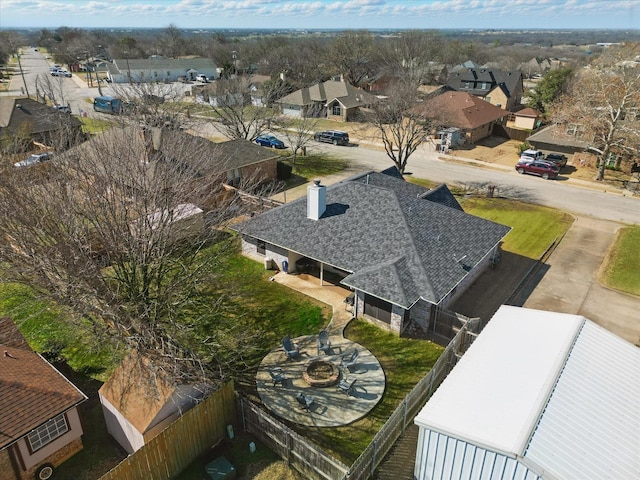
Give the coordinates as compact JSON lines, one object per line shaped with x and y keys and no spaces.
{"x":34,"y":159}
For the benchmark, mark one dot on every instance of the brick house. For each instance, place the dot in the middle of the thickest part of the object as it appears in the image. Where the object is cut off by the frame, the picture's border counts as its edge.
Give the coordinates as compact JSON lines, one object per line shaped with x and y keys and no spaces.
{"x":404,"y":250}
{"x":39,"y":423}
{"x":474,"y":116}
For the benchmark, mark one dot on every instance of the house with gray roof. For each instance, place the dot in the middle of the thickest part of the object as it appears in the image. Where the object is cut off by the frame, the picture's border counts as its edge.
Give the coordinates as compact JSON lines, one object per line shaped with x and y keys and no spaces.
{"x":336,"y":100}
{"x":502,"y":89}
{"x":159,"y":69}
{"x":403,"y":250}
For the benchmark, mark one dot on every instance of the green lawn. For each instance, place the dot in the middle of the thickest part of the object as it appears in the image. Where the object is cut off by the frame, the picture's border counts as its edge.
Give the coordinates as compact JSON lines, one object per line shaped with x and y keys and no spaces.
{"x":404,"y":361}
{"x":313,"y":166}
{"x":621,"y":269}
{"x":533,"y":227}
{"x":95,"y":125}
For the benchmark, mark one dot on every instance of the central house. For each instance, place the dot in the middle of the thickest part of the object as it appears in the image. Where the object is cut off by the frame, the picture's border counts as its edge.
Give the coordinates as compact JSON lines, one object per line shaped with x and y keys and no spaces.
{"x":404,"y":250}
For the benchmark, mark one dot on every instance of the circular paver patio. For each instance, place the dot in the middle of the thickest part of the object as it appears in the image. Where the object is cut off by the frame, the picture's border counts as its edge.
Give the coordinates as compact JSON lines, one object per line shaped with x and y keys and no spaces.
{"x":331,"y":406}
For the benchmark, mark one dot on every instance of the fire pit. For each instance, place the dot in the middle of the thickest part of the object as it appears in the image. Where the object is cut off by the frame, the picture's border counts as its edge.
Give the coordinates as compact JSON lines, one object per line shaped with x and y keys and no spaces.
{"x":320,"y":373}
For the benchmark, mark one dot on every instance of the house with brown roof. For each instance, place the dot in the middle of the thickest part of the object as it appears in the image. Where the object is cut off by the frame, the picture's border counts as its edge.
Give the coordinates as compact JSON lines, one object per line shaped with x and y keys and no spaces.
{"x":138,"y":402}
{"x":474,"y":116}
{"x":23,"y":121}
{"x":526,"y":119}
{"x":335,"y":100}
{"x":39,"y":423}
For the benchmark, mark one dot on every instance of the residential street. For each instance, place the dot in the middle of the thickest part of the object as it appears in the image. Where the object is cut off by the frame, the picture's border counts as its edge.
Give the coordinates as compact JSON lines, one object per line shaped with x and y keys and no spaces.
{"x":569,"y":284}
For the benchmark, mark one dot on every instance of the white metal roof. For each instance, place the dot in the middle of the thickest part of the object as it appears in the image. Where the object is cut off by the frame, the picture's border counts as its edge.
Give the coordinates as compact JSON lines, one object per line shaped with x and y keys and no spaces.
{"x":553,"y":391}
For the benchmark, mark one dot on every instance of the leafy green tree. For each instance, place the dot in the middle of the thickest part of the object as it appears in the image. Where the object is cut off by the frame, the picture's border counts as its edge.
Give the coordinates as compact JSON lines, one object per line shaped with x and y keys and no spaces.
{"x":549,"y":88}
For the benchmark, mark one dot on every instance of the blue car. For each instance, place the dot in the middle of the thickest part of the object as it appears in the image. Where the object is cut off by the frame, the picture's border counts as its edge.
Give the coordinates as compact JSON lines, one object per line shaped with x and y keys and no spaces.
{"x":269,"y":141}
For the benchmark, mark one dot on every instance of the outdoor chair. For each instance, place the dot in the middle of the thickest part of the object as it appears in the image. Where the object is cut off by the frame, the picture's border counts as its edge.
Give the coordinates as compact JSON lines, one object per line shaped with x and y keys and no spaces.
{"x":323,"y":342}
{"x":305,"y":401}
{"x":346,"y":385}
{"x":349,"y":361}
{"x":278,"y":376}
{"x":290,"y":349}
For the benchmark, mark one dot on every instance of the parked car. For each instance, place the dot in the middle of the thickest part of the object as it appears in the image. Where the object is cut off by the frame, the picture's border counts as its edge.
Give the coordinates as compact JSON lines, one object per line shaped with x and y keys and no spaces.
{"x":332,"y":136}
{"x":62,"y":108}
{"x":34,"y":159}
{"x":531,"y":155}
{"x":269,"y":141}
{"x":202,"y":78}
{"x":557,"y":159}
{"x":61,"y":72}
{"x":539,"y":167}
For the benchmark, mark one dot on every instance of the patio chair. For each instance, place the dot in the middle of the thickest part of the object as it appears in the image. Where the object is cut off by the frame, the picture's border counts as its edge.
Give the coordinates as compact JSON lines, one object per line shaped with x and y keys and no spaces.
{"x":323,"y":342}
{"x":349,"y":361}
{"x":305,"y":401}
{"x":278,"y":376}
{"x":290,"y":349}
{"x":346,"y":385}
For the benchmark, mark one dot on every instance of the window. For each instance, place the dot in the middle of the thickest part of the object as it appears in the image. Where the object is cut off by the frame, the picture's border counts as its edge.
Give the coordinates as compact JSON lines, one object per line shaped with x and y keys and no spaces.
{"x":611,"y":160}
{"x":484,"y":85}
{"x":48,"y":432}
{"x":467,"y":85}
{"x":335,"y":109}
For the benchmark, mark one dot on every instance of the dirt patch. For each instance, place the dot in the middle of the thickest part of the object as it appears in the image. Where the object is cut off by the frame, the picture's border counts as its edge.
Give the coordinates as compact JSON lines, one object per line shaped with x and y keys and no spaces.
{"x":501,"y":151}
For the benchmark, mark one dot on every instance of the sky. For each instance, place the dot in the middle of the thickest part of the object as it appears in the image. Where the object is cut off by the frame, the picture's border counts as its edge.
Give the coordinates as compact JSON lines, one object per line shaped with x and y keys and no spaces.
{"x":323,"y":14}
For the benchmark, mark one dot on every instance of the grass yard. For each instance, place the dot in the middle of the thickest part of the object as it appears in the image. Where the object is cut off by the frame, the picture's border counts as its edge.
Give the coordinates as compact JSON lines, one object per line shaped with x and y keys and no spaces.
{"x":405,"y":361}
{"x":309,"y":167}
{"x":94,"y":125}
{"x":621,"y":267}
{"x":533,"y":227}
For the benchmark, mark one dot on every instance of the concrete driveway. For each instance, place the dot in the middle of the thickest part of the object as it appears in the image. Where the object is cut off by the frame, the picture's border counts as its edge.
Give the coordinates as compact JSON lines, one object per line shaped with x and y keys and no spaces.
{"x":570,"y":283}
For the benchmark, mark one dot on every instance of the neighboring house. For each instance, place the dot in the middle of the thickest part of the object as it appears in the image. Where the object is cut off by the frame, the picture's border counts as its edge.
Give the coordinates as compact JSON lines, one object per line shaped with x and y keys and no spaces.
{"x":256,"y":92}
{"x":138,"y":403}
{"x":39,"y":422}
{"x":335,"y":100}
{"x":236,"y":162}
{"x":502,"y":89}
{"x":471,"y":114}
{"x":404,"y":250}
{"x":24,"y":120}
{"x":539,"y":395}
{"x":159,"y":69}
{"x":525,"y":119}
{"x":227,"y":92}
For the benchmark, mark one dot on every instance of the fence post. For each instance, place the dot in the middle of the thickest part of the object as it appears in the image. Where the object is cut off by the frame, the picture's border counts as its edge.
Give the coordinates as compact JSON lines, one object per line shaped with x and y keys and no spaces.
{"x":404,"y":416}
{"x":244,"y":423}
{"x":373,"y":457}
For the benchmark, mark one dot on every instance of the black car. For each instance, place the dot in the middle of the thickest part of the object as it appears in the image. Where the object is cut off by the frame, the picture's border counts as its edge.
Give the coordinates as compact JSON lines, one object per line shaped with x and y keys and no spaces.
{"x":557,"y":159}
{"x":332,"y":136}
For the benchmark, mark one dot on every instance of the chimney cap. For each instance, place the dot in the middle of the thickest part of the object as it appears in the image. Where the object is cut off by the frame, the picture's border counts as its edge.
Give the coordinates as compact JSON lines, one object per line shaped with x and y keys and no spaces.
{"x":316,"y":182}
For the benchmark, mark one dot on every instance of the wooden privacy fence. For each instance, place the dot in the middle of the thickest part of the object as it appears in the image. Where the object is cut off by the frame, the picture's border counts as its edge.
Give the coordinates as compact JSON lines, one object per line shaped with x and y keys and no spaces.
{"x":304,"y":455}
{"x":167,"y":454}
{"x":366,"y":464}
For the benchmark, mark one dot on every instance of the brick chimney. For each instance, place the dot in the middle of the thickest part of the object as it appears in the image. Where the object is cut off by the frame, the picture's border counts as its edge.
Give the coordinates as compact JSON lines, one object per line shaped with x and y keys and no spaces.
{"x":316,"y":200}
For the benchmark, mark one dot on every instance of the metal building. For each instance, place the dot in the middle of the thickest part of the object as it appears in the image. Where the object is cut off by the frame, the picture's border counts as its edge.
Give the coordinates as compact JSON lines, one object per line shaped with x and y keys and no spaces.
{"x":539,"y":395}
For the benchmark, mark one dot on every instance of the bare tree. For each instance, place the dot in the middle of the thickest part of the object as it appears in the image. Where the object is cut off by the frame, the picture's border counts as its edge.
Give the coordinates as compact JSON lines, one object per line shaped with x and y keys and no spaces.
{"x":109,"y":229}
{"x":400,"y":126}
{"x":233,"y":114}
{"x":298,"y":132}
{"x":352,"y":55}
{"x":603,"y":107}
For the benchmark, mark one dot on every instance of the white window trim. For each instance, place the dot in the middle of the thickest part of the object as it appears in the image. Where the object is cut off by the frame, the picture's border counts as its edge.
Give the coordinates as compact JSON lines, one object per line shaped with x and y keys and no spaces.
{"x":48,"y":432}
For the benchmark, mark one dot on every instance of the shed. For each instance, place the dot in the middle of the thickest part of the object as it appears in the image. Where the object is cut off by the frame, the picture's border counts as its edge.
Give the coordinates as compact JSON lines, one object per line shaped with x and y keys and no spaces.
{"x":539,"y":395}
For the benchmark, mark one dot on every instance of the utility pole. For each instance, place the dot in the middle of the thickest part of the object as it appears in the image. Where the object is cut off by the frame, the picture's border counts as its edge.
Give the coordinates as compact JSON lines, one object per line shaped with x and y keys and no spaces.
{"x":22,"y":74}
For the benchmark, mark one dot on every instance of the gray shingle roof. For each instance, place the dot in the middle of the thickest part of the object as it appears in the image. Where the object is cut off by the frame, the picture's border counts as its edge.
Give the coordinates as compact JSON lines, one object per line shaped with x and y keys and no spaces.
{"x":476,"y":77}
{"x":328,"y":91}
{"x":397,"y":245}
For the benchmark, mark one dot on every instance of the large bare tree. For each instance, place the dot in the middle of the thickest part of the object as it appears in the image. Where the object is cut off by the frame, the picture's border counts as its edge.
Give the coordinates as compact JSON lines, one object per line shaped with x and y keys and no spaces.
{"x":401,"y":128}
{"x":108,"y":230}
{"x":603,"y":107}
